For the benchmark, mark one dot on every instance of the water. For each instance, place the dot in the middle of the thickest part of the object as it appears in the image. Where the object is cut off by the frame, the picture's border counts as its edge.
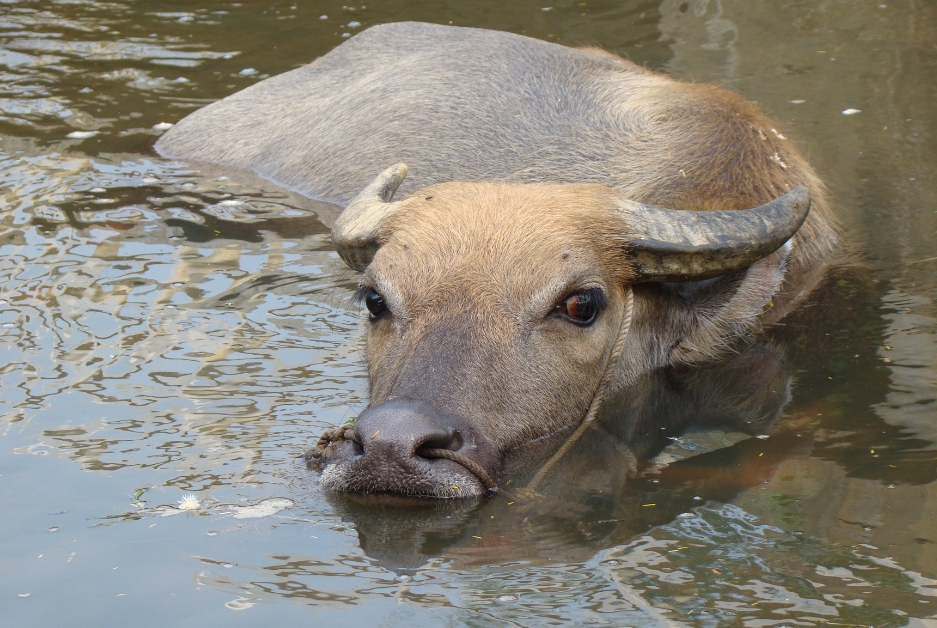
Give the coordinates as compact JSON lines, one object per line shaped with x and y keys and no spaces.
{"x":166,"y":331}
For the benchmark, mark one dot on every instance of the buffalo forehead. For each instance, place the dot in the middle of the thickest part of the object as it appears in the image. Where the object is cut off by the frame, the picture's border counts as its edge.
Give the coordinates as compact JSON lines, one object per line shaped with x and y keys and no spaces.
{"x":501,"y":241}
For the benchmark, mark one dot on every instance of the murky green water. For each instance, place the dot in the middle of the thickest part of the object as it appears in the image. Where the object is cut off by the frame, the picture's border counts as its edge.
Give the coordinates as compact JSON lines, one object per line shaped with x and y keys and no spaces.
{"x":187,"y":332}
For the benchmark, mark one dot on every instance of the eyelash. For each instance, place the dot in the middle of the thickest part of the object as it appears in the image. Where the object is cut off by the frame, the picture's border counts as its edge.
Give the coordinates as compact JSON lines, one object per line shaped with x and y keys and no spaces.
{"x":360,"y":294}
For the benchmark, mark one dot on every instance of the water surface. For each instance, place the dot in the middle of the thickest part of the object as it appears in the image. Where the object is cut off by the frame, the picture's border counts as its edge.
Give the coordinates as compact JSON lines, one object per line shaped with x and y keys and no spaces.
{"x":166,"y":331}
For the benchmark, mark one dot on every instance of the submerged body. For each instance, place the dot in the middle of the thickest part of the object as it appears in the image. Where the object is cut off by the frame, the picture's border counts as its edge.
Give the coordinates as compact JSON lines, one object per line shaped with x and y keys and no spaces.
{"x":523,"y":157}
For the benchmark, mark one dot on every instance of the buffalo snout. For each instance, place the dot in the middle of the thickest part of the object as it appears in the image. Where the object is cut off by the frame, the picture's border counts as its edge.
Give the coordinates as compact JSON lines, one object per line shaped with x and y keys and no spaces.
{"x":406,"y":446}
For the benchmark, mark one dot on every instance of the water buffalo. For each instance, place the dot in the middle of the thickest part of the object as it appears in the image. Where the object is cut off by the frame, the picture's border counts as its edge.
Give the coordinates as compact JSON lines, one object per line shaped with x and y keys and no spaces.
{"x":571,"y":222}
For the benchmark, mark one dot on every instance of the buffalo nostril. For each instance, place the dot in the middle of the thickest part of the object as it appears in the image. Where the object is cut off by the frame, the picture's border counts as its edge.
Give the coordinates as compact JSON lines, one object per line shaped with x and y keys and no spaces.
{"x":403,"y":443}
{"x":448,"y":446}
{"x":451,"y":442}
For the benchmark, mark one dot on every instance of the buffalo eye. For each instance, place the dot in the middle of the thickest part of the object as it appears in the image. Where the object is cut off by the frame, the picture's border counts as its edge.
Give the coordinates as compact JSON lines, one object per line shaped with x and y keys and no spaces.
{"x":375,"y":304}
{"x":582,"y":307}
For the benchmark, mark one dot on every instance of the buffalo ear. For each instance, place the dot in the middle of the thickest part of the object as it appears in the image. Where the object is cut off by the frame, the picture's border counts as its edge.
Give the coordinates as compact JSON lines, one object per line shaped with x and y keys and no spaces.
{"x":680,"y":245}
{"x":355,"y":234}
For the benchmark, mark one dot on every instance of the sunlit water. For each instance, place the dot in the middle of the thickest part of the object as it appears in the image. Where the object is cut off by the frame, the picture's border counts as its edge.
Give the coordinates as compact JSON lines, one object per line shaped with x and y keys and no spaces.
{"x":166,"y":331}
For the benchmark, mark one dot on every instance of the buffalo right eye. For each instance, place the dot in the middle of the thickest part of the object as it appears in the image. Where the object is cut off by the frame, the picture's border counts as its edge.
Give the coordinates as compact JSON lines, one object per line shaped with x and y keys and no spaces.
{"x":375,"y":304}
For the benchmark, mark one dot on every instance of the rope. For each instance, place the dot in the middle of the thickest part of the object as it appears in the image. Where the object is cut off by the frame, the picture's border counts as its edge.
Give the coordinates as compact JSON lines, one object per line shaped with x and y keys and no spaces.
{"x":346,"y":431}
{"x":597,"y":399}
{"x":472,"y":466}
{"x":340,"y":433}
{"x":329,"y":437}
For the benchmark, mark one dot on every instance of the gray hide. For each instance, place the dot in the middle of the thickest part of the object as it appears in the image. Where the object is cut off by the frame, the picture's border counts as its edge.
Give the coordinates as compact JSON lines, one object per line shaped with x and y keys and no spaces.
{"x":455,"y":104}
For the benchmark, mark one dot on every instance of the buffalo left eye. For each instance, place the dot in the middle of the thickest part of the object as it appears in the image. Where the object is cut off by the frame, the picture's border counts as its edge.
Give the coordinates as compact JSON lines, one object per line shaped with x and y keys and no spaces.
{"x":583,"y":307}
{"x":375,"y":304}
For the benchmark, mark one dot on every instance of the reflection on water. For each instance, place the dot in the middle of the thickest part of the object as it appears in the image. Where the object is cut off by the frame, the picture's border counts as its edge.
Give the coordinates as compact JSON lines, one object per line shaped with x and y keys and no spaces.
{"x":166,"y":329}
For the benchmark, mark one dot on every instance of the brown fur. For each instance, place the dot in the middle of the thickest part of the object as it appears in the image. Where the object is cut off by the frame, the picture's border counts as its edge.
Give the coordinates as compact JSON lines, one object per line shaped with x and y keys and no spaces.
{"x":472,"y":273}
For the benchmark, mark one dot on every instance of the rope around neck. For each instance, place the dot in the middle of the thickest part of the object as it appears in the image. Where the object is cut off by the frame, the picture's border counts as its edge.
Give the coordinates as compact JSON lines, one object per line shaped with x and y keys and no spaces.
{"x":346,"y":431}
{"x":597,"y":399}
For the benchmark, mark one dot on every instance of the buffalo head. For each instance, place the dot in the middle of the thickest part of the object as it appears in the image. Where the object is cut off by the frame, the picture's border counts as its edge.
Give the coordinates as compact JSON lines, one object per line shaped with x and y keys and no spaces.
{"x":495,"y":310}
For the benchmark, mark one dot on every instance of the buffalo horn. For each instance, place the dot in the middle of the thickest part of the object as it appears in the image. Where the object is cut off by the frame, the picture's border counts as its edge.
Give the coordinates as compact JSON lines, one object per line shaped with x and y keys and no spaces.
{"x":680,"y":245}
{"x":355,"y":234}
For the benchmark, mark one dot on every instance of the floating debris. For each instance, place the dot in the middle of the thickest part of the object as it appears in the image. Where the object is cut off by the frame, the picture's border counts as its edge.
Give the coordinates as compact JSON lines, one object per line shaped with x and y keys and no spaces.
{"x":240,"y":604}
{"x":263,"y":508}
{"x":24,"y":595}
{"x":162,"y":126}
{"x":507,"y":598}
{"x":798,"y":101}
{"x":248,"y":72}
{"x":189,"y":502}
{"x":850,"y":112}
{"x":686,"y":515}
{"x":53,"y":529}
{"x":353,"y":24}
{"x":82,"y":135}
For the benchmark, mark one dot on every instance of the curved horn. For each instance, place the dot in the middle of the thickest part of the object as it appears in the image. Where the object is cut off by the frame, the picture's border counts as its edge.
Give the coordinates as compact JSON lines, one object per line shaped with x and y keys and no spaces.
{"x":680,"y":245}
{"x":356,"y":230}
